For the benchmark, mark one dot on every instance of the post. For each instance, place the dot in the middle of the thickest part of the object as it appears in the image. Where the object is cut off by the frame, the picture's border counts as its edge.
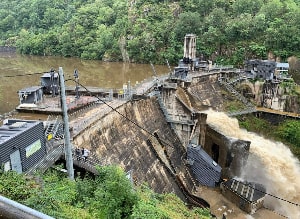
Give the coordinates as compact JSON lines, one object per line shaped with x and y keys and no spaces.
{"x":202,"y":125}
{"x":68,"y":149}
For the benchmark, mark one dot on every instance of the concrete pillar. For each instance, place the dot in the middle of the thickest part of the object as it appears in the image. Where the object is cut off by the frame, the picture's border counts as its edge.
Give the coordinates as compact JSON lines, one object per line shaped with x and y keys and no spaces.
{"x":202,"y":127}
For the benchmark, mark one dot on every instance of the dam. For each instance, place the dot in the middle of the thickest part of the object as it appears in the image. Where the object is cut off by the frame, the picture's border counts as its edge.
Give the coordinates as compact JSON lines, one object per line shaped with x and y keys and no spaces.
{"x":155,"y":135}
{"x":150,"y":137}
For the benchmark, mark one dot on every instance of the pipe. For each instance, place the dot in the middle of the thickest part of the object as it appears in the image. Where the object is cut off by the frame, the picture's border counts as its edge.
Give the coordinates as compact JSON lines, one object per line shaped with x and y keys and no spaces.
{"x":10,"y":209}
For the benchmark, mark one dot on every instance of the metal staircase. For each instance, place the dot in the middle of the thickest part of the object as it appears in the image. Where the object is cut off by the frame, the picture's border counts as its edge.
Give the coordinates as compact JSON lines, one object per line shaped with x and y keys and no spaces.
{"x":52,"y":126}
{"x":52,"y":156}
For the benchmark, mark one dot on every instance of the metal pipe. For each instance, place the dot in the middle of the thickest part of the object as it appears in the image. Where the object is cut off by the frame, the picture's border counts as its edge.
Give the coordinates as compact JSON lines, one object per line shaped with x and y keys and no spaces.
{"x":12,"y":209}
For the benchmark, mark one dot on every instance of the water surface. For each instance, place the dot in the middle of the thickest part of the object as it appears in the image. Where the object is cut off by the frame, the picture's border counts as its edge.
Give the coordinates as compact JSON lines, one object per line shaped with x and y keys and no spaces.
{"x":91,"y":73}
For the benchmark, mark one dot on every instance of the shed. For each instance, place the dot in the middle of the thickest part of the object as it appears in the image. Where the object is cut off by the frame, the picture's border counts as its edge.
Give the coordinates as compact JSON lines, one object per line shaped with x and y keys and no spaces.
{"x":282,"y":69}
{"x":50,"y":83}
{"x":204,"y":168}
{"x":246,"y":195}
{"x":31,"y":95}
{"x":22,"y":144}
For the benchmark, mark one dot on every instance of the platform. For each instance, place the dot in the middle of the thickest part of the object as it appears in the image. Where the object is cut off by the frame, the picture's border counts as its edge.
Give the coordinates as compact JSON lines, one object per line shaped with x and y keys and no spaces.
{"x":52,"y":105}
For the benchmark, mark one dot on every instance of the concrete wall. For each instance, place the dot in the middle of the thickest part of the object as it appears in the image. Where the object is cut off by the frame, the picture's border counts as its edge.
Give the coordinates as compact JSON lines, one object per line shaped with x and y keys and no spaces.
{"x":231,"y":154}
{"x":178,"y":113}
{"x":116,"y":140}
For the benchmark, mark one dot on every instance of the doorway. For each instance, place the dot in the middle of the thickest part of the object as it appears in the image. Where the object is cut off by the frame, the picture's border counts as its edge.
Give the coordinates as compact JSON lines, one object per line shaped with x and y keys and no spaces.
{"x":215,"y":152}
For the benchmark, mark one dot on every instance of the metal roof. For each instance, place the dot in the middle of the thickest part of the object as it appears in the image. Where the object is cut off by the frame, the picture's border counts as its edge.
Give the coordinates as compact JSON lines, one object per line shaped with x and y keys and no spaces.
{"x":247,"y":190}
{"x":48,"y":75}
{"x":206,"y":170}
{"x":282,"y":65}
{"x":30,"y":89}
{"x":14,"y":127}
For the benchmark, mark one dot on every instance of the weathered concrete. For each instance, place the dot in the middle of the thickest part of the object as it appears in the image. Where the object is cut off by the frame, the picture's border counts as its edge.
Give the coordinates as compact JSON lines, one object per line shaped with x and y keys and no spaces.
{"x":231,"y":154}
{"x":123,"y":141}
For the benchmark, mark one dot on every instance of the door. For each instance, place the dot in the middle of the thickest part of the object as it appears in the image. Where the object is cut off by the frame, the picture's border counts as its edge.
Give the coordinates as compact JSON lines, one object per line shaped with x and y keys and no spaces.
{"x":15,"y":160}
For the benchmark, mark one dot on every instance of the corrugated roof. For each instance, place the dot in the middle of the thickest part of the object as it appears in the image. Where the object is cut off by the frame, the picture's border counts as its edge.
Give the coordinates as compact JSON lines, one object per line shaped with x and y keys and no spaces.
{"x":249,"y":191}
{"x":206,"y":170}
{"x":14,"y":127}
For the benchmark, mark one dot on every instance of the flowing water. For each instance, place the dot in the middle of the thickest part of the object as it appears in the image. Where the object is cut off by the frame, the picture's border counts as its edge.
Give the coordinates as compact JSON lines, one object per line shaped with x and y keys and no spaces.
{"x":269,"y":163}
{"x":91,"y":73}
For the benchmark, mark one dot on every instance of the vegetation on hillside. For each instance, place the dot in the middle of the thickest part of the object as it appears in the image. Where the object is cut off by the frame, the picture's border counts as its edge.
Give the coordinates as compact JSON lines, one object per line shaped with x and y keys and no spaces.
{"x":287,"y":131}
{"x":229,"y":31}
{"x":109,"y":195}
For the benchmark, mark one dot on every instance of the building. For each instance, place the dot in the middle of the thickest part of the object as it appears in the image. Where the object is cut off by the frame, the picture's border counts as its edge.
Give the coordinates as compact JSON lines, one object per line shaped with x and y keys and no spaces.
{"x":247,"y":196}
{"x":262,"y":69}
{"x":282,"y":70}
{"x":31,"y":95}
{"x":205,"y":169}
{"x":22,"y":144}
{"x":50,"y":83}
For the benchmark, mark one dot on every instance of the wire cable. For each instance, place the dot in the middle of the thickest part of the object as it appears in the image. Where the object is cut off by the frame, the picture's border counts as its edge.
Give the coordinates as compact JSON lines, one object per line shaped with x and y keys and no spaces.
{"x":139,"y":126}
{"x":130,"y":120}
{"x":21,"y":75}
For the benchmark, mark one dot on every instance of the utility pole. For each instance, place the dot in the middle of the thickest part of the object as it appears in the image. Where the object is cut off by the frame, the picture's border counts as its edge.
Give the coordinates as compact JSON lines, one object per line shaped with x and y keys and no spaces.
{"x":68,"y":147}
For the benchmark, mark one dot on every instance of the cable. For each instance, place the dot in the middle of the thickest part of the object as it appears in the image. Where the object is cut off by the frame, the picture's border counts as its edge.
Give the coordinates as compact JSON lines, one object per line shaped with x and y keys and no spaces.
{"x":139,"y":126}
{"x":21,"y":75}
{"x":293,"y":203}
{"x":130,"y":120}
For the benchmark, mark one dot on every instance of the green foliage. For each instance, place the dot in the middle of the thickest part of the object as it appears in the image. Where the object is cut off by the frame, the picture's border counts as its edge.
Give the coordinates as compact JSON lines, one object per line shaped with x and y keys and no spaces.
{"x":255,"y":124}
{"x":109,"y":195}
{"x":166,"y":206}
{"x":290,"y":131}
{"x":153,"y":30}
{"x":286,"y":132}
{"x":15,"y":186}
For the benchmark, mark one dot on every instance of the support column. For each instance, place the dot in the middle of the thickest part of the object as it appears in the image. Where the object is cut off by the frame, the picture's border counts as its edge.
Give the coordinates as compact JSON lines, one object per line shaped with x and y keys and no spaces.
{"x":202,"y":127}
{"x":68,"y":147}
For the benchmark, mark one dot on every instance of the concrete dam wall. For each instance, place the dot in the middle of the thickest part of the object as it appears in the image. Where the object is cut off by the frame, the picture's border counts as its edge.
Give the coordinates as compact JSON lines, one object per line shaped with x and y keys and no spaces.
{"x":117,"y":140}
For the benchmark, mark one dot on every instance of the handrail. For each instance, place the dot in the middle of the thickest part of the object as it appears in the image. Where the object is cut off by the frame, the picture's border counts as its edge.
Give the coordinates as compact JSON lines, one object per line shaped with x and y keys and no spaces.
{"x":13,"y":209}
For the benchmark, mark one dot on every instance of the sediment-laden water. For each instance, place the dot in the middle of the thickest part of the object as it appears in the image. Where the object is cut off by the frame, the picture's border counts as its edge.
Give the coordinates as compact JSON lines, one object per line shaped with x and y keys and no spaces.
{"x":269,"y":163}
{"x":91,"y":73}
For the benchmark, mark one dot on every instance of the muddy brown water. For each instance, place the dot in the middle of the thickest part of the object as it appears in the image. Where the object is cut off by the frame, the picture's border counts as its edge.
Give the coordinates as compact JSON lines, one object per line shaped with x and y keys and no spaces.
{"x":91,"y":73}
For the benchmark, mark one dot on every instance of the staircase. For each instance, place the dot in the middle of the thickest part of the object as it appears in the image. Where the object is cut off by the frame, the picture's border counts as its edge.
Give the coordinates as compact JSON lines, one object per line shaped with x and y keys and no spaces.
{"x":52,"y":156}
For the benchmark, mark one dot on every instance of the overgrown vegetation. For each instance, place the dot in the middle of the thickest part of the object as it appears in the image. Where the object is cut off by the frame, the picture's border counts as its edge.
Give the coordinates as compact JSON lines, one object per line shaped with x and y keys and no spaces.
{"x":108,"y":195}
{"x":229,"y":31}
{"x":287,"y":132}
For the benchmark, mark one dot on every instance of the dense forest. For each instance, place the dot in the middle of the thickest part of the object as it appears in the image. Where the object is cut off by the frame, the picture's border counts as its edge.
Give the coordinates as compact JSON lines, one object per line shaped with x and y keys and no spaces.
{"x":228,"y":31}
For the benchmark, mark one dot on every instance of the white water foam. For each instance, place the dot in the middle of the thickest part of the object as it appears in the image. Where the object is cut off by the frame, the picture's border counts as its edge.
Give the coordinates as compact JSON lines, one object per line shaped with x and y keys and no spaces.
{"x":269,"y":163}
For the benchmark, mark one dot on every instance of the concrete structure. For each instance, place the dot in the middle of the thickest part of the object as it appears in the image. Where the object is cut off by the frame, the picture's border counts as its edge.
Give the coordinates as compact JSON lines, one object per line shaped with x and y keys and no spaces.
{"x":50,"y":83}
{"x":263,"y":69}
{"x":117,"y":141}
{"x":22,"y":144}
{"x":189,"y":52}
{"x":231,"y":154}
{"x":247,"y":196}
{"x":31,"y":95}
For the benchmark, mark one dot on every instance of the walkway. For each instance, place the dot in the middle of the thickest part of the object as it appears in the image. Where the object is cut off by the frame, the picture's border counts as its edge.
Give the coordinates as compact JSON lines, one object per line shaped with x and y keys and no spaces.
{"x":278,"y":112}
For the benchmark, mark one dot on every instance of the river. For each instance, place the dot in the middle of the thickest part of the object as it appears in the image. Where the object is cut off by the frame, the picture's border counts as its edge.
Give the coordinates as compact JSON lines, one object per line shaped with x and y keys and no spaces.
{"x":91,"y":73}
{"x":270,"y":163}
